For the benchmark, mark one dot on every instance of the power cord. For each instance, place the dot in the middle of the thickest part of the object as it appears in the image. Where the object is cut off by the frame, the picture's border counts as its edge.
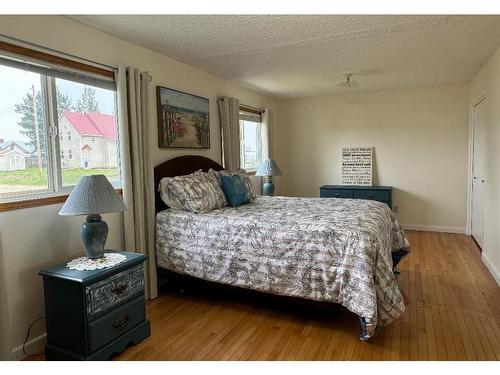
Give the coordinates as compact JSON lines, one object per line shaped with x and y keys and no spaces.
{"x":28,"y":335}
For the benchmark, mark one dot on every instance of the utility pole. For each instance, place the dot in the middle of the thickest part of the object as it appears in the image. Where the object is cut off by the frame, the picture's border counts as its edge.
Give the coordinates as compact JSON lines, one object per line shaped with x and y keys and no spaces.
{"x":37,"y":133}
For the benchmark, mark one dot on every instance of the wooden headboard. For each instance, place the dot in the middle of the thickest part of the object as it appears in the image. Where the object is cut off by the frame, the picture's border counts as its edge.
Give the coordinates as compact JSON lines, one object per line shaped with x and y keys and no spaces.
{"x":179,"y":166}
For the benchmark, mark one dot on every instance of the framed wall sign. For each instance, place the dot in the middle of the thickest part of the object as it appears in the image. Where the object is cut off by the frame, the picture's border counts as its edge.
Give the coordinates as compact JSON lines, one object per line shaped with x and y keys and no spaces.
{"x":357,"y":165}
{"x":183,"y":119}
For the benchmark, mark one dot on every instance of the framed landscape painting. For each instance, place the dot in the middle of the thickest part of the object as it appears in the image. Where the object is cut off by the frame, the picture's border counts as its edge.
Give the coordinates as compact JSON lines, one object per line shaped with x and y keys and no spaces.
{"x":183,"y":119}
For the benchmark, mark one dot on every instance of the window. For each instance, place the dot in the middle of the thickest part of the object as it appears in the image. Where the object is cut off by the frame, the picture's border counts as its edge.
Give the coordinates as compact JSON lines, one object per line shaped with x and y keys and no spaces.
{"x":250,"y":139}
{"x":23,"y":133}
{"x":37,"y":100}
{"x":91,"y":114}
{"x":85,"y":163}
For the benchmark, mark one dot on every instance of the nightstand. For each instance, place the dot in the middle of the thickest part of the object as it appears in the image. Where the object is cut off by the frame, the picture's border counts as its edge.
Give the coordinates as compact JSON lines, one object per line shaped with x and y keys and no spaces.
{"x":94,"y":314}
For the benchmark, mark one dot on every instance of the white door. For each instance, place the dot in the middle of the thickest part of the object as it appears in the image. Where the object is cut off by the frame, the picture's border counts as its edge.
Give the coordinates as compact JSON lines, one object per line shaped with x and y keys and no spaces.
{"x":479,"y":136}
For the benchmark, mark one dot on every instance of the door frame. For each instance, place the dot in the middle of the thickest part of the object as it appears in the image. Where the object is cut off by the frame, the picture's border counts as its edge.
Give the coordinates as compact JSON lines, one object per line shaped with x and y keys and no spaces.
{"x":479,"y":99}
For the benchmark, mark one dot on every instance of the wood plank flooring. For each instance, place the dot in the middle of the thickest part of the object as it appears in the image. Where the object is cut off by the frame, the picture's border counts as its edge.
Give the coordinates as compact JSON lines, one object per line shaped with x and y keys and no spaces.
{"x":452,"y":313}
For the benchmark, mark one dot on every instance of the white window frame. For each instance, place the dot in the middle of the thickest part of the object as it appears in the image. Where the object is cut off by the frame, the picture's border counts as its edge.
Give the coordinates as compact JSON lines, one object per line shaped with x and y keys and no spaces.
{"x":86,"y":160}
{"x":52,"y":133}
{"x":242,"y":146}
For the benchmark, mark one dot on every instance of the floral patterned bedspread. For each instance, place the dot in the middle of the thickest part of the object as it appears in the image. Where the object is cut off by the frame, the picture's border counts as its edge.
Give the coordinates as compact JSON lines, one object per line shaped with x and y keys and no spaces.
{"x":324,"y":249}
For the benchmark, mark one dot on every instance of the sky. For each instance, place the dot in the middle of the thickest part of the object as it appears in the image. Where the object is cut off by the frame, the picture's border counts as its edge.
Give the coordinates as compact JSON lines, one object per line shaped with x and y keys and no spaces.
{"x":15,"y":83}
{"x":182,"y":100}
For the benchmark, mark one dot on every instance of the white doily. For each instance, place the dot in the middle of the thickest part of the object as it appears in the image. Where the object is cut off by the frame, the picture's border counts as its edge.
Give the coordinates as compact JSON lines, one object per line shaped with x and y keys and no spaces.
{"x":85,"y":264}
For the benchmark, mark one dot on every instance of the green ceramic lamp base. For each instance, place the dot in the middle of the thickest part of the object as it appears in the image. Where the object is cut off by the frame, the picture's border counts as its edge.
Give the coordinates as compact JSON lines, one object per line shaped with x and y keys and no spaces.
{"x":268,"y":187}
{"x":94,"y":233}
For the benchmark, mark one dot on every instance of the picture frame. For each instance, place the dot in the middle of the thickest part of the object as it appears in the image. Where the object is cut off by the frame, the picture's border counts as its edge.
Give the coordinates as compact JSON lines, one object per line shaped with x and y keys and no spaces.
{"x":183,"y":119}
{"x":357,"y":166}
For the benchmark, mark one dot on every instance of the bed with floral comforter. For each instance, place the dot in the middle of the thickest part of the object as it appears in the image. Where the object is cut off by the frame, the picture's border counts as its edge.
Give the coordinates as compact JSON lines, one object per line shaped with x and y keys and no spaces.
{"x":323,"y":249}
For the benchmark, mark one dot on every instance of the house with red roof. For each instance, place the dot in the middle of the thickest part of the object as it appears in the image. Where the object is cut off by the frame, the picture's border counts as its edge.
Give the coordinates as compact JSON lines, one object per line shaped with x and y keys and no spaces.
{"x":87,"y":140}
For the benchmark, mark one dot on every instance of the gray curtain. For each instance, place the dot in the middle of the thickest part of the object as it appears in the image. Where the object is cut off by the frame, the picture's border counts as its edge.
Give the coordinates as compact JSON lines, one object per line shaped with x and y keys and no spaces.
{"x":230,"y":126}
{"x":137,"y":169}
{"x":4,"y":312}
{"x":266,"y":134}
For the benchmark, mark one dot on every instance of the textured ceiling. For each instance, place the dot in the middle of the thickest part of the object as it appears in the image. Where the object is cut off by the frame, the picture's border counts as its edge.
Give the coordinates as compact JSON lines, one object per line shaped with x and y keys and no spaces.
{"x":308,"y":55}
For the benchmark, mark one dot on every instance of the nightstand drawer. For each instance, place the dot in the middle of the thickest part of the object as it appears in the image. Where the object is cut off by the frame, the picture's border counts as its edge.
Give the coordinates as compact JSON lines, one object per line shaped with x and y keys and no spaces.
{"x":376,"y":195}
{"x":107,"y":293}
{"x":116,"y":323}
{"x":336,"y":193}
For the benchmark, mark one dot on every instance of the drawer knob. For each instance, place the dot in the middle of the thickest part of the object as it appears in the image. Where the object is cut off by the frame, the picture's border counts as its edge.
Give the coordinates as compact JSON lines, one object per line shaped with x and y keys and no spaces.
{"x":120,"y":289}
{"x":120,"y":323}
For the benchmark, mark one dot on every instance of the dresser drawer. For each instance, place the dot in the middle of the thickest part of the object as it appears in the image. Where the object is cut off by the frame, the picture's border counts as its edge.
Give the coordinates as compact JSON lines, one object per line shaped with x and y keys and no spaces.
{"x":375,"y":195}
{"x":115,"y":323}
{"x":107,"y":293}
{"x":336,"y":193}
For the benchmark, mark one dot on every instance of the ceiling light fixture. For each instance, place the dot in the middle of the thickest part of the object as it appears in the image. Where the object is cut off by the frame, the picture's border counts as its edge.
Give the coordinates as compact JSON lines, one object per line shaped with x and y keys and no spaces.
{"x":348,"y":83}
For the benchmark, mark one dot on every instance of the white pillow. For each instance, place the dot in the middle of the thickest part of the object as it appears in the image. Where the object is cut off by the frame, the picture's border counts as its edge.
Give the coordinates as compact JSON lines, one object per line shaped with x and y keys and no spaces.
{"x":197,"y":192}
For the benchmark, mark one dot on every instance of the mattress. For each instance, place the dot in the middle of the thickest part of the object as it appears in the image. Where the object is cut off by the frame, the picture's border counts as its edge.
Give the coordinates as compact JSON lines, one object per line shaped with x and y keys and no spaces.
{"x":323,"y":249}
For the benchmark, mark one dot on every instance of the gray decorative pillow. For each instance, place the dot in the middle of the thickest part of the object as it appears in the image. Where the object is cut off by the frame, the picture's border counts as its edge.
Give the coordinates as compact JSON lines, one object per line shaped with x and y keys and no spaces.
{"x":239,"y":172}
{"x":166,"y":196}
{"x":197,"y":192}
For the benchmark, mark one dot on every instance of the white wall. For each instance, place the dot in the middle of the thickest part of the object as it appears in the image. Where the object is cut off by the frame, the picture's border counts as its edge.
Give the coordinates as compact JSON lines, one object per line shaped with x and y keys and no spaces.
{"x":420,"y":137}
{"x":74,"y":144}
{"x":33,"y":238}
{"x":487,"y":83}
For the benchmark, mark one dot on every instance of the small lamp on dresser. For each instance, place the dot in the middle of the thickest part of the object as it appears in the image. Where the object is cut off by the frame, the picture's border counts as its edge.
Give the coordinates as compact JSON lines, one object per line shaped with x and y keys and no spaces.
{"x":93,"y":196}
{"x":268,"y":168}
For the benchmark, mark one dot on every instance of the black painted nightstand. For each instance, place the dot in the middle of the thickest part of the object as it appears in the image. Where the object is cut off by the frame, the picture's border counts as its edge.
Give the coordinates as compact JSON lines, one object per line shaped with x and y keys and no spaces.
{"x":94,"y":314}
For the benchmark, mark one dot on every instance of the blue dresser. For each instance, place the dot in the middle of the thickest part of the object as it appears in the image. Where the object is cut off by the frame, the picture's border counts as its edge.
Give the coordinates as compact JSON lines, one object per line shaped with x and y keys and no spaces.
{"x":94,"y":314}
{"x":377,"y":193}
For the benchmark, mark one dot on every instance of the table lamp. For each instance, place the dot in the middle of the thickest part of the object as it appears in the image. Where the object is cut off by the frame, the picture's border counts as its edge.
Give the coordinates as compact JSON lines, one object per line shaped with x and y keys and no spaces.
{"x":94,"y":195}
{"x":268,"y":168}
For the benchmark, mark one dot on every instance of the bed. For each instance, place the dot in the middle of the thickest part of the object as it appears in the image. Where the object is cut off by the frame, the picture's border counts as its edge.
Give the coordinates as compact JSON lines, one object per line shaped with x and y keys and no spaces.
{"x":322,"y":249}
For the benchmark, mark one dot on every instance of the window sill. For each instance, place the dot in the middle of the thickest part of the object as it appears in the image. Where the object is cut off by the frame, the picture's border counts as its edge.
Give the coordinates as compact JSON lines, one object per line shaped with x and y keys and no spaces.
{"x":37,"y":202}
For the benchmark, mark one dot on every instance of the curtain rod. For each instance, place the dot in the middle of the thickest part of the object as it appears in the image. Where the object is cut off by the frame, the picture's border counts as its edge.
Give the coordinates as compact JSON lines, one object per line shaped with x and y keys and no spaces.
{"x":250,"y":108}
{"x":62,"y":54}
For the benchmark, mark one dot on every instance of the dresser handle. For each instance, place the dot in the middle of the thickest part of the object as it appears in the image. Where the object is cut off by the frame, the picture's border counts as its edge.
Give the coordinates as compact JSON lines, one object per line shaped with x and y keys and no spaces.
{"x":120,"y":323}
{"x":337,"y":195}
{"x":120,"y":288}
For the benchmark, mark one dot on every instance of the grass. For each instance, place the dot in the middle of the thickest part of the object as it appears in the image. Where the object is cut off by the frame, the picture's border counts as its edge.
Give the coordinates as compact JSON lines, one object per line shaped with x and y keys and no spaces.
{"x":33,"y":177}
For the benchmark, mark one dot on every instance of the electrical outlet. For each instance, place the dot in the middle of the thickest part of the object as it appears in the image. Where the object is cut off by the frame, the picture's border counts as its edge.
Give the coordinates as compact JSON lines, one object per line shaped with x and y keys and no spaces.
{"x":395,"y":208}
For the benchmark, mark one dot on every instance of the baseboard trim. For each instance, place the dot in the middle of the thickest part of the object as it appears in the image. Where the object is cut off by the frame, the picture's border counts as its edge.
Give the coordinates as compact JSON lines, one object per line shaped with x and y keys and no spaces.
{"x":494,"y":272}
{"x":35,"y":345}
{"x":431,"y":228}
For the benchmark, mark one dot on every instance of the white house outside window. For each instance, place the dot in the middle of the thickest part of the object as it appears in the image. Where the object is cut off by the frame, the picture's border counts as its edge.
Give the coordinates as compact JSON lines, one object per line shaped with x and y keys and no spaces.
{"x":38,"y":100}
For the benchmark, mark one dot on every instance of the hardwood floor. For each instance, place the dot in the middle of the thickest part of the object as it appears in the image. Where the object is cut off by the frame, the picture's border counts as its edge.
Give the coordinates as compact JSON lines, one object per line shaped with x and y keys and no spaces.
{"x":452,"y":313}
